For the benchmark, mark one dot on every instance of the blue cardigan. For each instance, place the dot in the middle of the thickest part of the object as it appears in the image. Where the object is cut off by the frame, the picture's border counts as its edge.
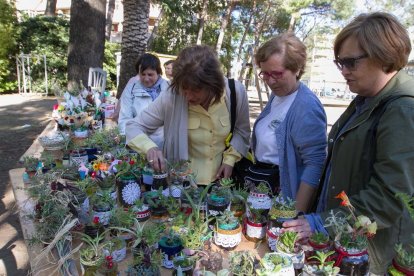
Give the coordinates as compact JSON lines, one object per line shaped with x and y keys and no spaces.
{"x":301,"y":141}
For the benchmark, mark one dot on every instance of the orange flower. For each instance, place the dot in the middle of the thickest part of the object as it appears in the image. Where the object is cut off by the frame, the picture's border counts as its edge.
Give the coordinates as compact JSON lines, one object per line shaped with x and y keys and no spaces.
{"x":345,"y":200}
{"x":103,"y":167}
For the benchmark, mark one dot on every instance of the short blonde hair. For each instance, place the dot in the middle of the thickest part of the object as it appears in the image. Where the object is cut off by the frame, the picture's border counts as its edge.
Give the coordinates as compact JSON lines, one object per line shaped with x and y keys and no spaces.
{"x":381,"y":36}
{"x":288,"y":45}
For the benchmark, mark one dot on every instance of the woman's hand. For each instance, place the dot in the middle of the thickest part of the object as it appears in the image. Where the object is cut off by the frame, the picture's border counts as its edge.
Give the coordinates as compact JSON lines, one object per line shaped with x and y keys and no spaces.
{"x":225,"y":171}
{"x":300,"y":226}
{"x":156,"y":159}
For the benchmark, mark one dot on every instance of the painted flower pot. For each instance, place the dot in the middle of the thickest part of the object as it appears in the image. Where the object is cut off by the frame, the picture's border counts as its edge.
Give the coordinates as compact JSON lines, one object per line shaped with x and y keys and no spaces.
{"x":170,"y":251}
{"x":259,"y":201}
{"x":143,"y":213}
{"x":103,"y":213}
{"x":238,"y":208}
{"x":160,"y":180}
{"x":77,"y":157}
{"x":128,"y":190}
{"x":351,"y":261}
{"x":227,"y":239}
{"x":255,"y":231}
{"x":275,"y":214}
{"x":272,"y":234}
{"x":216,"y":204}
{"x":119,"y":254}
{"x":270,"y":267}
{"x":176,"y":189}
{"x":93,"y":230}
{"x":147,"y":178}
{"x":81,"y":133}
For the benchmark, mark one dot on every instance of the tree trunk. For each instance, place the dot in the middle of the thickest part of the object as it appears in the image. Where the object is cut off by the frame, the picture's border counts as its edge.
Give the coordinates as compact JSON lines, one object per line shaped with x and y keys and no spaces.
{"x":154,"y":30}
{"x":246,"y":30}
{"x":86,"y":39}
{"x":50,"y":8}
{"x":226,"y":19}
{"x":202,"y":21}
{"x":134,"y":38}
{"x":109,"y":15}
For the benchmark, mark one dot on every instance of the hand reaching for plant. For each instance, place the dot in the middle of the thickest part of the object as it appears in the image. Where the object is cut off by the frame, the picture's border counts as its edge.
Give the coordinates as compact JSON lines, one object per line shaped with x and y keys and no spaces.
{"x":300,"y":226}
{"x":224,"y":171}
{"x":156,"y":159}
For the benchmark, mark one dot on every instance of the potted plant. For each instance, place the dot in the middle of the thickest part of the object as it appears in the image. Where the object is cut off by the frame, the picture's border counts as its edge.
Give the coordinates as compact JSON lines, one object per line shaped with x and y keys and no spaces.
{"x":128,"y":175}
{"x":91,"y":254}
{"x":259,"y":197}
{"x":282,"y":210}
{"x":122,"y":218}
{"x":102,"y":205}
{"x":157,"y":203}
{"x":160,"y":181}
{"x":218,"y":201}
{"x":109,"y":266}
{"x":145,"y":263}
{"x":180,"y":173}
{"x":183,"y":265}
{"x":255,"y":225}
{"x":227,"y":232}
{"x":351,"y":237}
{"x":403,"y":262}
{"x":115,"y":248}
{"x":170,"y":245}
{"x":30,"y":164}
{"x":93,"y":227}
{"x":322,"y":266}
{"x":238,"y":201}
{"x":318,"y":242}
{"x":142,"y":211}
{"x":287,"y":245}
{"x":275,"y":264}
{"x":242,"y":263}
{"x":173,"y":206}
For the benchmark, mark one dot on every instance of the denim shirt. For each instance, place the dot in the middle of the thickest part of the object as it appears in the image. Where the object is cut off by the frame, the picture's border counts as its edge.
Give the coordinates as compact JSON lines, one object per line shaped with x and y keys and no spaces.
{"x":301,"y":141}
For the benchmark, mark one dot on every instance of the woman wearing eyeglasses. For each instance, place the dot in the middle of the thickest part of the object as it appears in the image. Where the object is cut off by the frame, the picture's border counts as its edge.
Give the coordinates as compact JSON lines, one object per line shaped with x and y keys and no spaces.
{"x":371,"y":149}
{"x":289,"y":136}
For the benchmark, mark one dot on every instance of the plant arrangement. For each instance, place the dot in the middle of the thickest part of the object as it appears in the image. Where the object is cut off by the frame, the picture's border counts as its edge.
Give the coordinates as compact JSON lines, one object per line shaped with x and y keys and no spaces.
{"x":351,"y":237}
{"x":275,"y":264}
{"x":318,"y":241}
{"x":228,"y":230}
{"x":403,"y":262}
{"x":282,"y":208}
{"x":102,"y":204}
{"x":259,"y":197}
{"x":142,"y":211}
{"x":287,"y":245}
{"x":115,"y":248}
{"x":146,"y":263}
{"x":242,"y":263}
{"x":91,"y":253}
{"x":128,"y":174}
{"x":30,"y":163}
{"x":183,"y":265}
{"x":171,"y":245}
{"x":352,"y":232}
{"x":255,"y":224}
{"x":238,"y":201}
{"x":93,"y":227}
{"x":157,"y":202}
{"x":322,"y":266}
{"x":122,"y":218}
{"x":105,"y":139}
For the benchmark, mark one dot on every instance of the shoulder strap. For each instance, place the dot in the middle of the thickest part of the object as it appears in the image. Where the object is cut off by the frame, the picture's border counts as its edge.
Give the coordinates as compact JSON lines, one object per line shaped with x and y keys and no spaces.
{"x":233,"y":104}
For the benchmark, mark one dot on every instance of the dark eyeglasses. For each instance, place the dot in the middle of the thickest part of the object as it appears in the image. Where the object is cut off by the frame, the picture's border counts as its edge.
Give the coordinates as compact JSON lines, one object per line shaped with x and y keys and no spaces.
{"x":349,"y":63}
{"x":273,"y":74}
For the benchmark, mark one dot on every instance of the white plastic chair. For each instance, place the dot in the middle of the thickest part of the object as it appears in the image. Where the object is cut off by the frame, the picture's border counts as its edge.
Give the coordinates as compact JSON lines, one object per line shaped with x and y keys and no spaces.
{"x":97,"y":79}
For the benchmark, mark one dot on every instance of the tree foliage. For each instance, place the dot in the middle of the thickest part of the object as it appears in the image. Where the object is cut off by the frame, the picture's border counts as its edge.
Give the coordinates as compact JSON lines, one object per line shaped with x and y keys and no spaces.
{"x":7,"y":47}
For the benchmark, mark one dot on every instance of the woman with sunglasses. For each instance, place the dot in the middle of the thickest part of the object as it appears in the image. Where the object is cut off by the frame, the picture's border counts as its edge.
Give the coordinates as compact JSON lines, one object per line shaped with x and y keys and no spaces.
{"x":371,"y":149}
{"x":289,"y":136}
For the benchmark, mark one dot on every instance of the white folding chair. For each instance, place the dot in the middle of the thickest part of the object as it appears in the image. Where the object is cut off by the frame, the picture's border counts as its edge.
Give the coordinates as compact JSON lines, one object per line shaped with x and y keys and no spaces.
{"x":97,"y":79}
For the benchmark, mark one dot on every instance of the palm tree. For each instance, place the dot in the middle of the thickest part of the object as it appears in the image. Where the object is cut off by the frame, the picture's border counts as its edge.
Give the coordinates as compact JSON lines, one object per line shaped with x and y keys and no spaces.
{"x":134,"y":38}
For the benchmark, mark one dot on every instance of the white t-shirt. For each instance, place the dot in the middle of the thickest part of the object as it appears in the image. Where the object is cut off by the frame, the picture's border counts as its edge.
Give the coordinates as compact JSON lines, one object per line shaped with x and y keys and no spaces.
{"x":265,"y":130}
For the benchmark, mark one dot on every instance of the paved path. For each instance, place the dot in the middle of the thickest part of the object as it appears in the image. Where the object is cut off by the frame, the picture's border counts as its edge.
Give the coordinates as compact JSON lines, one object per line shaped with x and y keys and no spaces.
{"x":21,"y":120}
